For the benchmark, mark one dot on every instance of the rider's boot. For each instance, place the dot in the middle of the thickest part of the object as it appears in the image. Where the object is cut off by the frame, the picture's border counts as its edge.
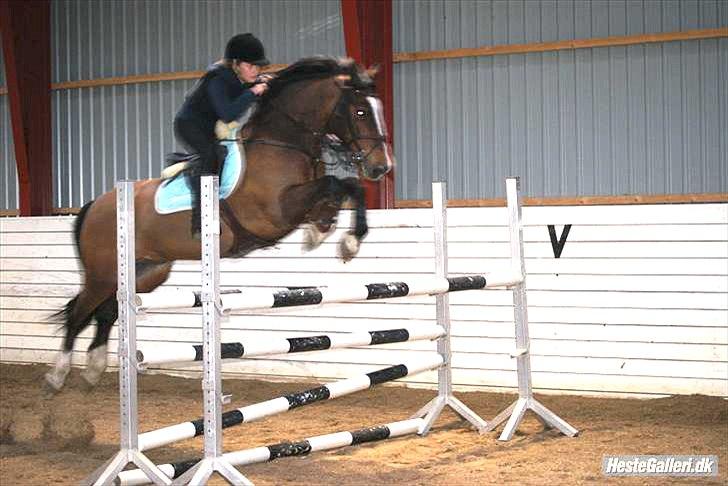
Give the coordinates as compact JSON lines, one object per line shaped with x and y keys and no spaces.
{"x":195,"y":222}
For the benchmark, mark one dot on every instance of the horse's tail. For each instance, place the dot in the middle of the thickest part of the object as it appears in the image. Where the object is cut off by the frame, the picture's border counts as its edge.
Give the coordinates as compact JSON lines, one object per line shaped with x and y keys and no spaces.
{"x":78,"y":224}
{"x":65,"y":315}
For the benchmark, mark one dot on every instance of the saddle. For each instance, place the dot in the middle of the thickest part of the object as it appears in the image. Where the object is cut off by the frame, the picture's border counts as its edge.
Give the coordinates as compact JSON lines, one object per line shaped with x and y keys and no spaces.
{"x":174,"y":195}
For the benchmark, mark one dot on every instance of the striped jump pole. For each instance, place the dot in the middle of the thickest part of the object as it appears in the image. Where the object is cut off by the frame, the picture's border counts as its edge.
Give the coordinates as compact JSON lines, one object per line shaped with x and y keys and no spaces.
{"x":288,"y":449}
{"x":257,"y":411}
{"x":265,"y":347}
{"x":430,"y":285}
{"x":260,"y":298}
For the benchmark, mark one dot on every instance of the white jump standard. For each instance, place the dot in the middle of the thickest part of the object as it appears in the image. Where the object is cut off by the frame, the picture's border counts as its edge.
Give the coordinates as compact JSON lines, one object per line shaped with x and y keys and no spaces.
{"x":126,"y":278}
{"x":515,"y":412}
{"x":213,"y":398}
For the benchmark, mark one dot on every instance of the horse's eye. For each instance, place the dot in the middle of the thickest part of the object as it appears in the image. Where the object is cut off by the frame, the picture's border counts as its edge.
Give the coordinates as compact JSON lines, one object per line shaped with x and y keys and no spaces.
{"x":361,"y":113}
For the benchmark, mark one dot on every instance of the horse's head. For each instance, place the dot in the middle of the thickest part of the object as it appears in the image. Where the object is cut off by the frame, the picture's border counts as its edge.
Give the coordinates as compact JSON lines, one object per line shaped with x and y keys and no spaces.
{"x":324,"y":96}
{"x":358,"y":121}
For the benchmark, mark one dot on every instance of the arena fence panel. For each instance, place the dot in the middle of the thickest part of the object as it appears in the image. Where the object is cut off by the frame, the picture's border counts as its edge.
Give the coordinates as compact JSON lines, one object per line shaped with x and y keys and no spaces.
{"x":214,"y":303}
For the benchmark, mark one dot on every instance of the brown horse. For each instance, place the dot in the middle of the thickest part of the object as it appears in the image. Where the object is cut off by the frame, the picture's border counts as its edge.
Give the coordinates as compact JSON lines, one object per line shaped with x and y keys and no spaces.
{"x":283,"y":186}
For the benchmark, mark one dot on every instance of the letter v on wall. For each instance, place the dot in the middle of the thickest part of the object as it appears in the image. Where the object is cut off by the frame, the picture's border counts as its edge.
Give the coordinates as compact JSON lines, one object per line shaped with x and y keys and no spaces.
{"x":558,"y":245}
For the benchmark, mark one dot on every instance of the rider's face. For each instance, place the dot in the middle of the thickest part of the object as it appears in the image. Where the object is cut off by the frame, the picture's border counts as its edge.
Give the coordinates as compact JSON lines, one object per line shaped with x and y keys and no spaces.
{"x":247,"y":72}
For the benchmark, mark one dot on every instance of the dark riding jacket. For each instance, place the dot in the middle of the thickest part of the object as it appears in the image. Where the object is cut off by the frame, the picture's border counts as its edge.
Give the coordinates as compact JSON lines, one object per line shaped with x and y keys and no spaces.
{"x":218,"y":95}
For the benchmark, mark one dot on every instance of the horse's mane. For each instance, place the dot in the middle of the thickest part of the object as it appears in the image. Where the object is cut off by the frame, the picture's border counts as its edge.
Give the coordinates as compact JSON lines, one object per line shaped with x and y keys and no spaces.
{"x":311,"y":68}
{"x":316,"y":68}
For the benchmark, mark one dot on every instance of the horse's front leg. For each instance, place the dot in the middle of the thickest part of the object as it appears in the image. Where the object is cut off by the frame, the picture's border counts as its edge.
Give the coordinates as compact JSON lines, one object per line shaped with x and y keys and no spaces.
{"x":321,"y":224}
{"x":323,"y":197}
{"x":351,"y":241}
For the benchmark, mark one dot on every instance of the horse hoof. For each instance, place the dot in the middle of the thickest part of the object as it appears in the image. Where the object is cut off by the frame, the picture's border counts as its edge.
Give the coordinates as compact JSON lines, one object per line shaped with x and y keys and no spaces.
{"x":49,"y":390}
{"x":86,"y":387}
{"x":348,"y":247}
{"x":54,"y":381}
{"x":308,"y":241}
{"x":313,"y":235}
{"x":89,"y":381}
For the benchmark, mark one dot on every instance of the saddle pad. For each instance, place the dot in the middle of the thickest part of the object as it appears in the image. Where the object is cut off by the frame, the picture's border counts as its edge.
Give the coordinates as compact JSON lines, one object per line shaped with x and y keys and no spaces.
{"x":174,"y":194}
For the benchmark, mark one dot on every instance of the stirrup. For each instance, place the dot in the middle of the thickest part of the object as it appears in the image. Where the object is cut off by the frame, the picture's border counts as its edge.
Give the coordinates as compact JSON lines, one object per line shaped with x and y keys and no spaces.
{"x":195,"y":224}
{"x":195,"y":232}
{"x":173,"y":170}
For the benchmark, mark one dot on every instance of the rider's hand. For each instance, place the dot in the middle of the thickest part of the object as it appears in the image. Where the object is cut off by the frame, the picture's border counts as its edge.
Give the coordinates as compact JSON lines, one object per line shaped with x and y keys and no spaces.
{"x":259,"y":89}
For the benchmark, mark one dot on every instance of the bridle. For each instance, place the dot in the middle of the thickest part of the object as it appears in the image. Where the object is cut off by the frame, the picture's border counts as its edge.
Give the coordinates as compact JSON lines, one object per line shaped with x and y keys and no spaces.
{"x":355,"y":153}
{"x":341,"y":109}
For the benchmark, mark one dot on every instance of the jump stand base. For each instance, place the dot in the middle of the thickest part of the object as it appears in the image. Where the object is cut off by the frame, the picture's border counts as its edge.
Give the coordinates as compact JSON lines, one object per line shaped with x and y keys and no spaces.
{"x":434,"y":408}
{"x":108,"y":472}
{"x":515,"y":412}
{"x":199,"y":474}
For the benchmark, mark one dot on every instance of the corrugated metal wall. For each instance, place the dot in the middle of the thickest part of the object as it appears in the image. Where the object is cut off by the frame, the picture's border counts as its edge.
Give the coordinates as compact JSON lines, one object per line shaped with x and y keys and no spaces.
{"x":108,"y":133}
{"x":643,"y":119}
{"x":8,"y":170}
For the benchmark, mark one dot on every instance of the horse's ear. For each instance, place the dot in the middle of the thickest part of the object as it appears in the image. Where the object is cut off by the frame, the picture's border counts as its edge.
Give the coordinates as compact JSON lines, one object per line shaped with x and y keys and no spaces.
{"x":372,"y":71}
{"x":346,"y":62}
{"x":342,"y":79}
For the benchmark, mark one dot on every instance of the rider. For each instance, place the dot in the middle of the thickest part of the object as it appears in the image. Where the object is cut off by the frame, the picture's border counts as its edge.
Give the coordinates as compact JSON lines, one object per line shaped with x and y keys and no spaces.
{"x":226,"y":90}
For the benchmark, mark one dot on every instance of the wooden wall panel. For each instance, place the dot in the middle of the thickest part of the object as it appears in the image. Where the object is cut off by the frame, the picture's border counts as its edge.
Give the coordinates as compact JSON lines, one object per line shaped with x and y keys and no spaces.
{"x":637,"y":303}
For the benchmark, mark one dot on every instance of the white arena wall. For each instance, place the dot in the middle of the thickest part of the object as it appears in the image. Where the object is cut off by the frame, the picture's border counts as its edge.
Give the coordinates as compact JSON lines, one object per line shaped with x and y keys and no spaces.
{"x":636,"y":304}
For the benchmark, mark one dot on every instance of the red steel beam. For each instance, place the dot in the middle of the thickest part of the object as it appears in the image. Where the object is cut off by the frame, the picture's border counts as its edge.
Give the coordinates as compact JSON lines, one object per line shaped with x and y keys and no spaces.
{"x":26,"y":40}
{"x":368,"y":38}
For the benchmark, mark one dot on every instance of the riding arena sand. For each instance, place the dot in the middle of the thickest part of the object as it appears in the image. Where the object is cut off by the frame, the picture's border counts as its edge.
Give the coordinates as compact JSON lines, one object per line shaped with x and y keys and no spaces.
{"x":61,"y":440}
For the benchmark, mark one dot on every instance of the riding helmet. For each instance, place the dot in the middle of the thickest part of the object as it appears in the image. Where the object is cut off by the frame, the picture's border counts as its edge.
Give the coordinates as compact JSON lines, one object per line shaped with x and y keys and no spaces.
{"x":246,"y":47}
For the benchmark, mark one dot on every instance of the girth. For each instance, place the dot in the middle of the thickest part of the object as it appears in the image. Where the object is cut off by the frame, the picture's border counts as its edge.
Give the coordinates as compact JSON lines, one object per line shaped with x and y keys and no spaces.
{"x":243,"y":240}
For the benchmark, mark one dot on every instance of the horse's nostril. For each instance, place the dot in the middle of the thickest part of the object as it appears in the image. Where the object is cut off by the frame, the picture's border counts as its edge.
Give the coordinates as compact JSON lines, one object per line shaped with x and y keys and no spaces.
{"x":379,"y":171}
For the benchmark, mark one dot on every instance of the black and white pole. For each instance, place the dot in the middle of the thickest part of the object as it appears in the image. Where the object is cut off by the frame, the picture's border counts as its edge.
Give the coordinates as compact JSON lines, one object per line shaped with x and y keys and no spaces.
{"x":515,"y":412}
{"x":126,"y":278}
{"x":289,"y":449}
{"x":257,"y":411}
{"x":213,"y":460}
{"x":262,"y":298}
{"x":444,"y":397}
{"x":181,"y":353}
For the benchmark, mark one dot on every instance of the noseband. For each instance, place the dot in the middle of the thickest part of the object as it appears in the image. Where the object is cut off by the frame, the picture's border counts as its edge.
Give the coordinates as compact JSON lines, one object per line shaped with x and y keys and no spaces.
{"x":356,"y":154}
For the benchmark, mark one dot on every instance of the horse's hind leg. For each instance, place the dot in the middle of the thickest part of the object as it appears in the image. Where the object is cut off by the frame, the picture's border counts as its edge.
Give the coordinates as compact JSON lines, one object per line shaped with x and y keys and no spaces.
{"x":56,"y":377}
{"x":76,"y":315}
{"x":149,"y":277}
{"x":96,"y":356}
